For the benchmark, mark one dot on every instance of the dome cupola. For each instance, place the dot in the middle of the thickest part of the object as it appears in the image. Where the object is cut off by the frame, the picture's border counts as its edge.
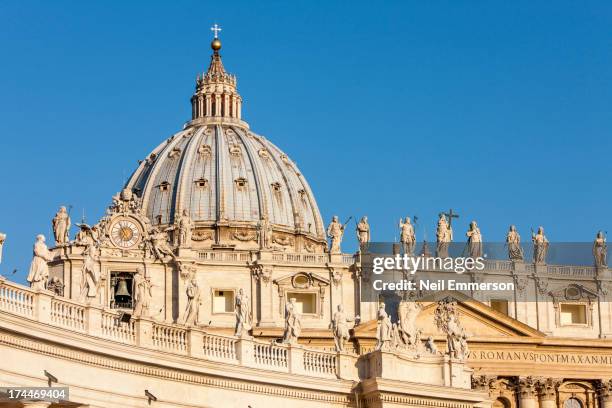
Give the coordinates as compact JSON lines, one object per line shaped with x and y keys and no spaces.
{"x":216,"y":96}
{"x":238,"y":188}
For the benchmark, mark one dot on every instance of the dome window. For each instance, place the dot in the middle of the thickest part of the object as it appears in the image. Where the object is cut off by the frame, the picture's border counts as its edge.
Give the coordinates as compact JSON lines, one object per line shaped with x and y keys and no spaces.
{"x":263,"y":153}
{"x":204,"y":151}
{"x":164,"y":186}
{"x":234,"y":150}
{"x":201,"y":183}
{"x":303,"y":197}
{"x":276,"y":187}
{"x":241,"y":183}
{"x":174,"y":153}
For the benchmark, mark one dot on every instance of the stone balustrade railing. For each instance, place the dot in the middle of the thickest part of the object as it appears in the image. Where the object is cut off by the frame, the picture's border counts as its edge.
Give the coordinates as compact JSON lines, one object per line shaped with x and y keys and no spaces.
{"x":69,"y":314}
{"x":113,"y":329}
{"x":169,"y":337}
{"x":505,"y":266}
{"x":94,"y":320}
{"x":284,"y":257}
{"x":17,"y":300}
{"x":220,"y":256}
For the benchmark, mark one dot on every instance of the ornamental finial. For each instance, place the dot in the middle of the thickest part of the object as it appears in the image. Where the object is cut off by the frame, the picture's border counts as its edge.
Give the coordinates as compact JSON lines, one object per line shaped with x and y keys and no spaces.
{"x":215,"y":28}
{"x":216,"y":43}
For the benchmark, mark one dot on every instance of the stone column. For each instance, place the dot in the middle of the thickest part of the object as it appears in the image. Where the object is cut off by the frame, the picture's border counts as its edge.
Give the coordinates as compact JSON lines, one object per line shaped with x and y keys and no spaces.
{"x":547,"y":391}
{"x":266,"y":290}
{"x":483,"y":383}
{"x":605,"y":393}
{"x":208,"y":106}
{"x":527,"y":393}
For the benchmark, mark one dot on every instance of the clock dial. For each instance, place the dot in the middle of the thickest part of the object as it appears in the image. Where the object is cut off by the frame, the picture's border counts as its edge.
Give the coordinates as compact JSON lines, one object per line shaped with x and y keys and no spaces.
{"x":125,"y":233}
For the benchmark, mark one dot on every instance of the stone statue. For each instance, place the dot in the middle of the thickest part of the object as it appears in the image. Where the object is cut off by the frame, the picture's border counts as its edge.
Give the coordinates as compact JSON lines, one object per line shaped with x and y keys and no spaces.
{"x":407,"y":236}
{"x":513,"y":239}
{"x":2,"y":239}
{"x":474,"y":241}
{"x":363,"y":232}
{"x":293,"y":323}
{"x":39,"y":270}
{"x":395,"y":342}
{"x":56,"y":286}
{"x":340,"y":328}
{"x":335,"y":230}
{"x":447,"y":320}
{"x":61,"y":226}
{"x":143,"y":293}
{"x":244,"y":318}
{"x":83,"y":236}
{"x":600,"y":250}
{"x":90,"y":272}
{"x":540,"y":246}
{"x":185,"y":225}
{"x":193,"y":303}
{"x":444,"y":236}
{"x":430,"y":345}
{"x":265,"y":232}
{"x":160,"y":247}
{"x":383,"y":329}
{"x":407,"y":312}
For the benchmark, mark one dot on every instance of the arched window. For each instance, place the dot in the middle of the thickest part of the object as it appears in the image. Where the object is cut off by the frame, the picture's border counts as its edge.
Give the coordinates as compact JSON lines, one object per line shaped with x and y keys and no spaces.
{"x":501,"y":403}
{"x":572,"y":403}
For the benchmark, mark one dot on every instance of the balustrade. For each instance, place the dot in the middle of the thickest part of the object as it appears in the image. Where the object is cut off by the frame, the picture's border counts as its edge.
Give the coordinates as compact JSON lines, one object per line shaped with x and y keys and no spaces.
{"x":114,"y":329}
{"x":70,"y":315}
{"x":169,"y":337}
{"x":219,"y":347}
{"x":16,"y":300}
{"x":270,"y":355}
{"x":320,"y":362}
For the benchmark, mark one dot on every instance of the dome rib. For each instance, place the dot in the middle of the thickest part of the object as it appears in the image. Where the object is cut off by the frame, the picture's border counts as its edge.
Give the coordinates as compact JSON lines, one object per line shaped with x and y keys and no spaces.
{"x":155,"y":201}
{"x":183,"y":175}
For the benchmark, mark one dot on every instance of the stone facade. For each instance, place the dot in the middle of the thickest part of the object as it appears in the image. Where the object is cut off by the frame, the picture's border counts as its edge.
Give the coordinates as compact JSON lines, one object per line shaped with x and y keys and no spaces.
{"x":148,"y":298}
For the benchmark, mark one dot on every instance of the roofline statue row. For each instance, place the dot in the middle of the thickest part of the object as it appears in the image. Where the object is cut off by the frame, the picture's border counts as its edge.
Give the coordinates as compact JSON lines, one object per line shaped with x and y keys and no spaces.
{"x":444,"y":236}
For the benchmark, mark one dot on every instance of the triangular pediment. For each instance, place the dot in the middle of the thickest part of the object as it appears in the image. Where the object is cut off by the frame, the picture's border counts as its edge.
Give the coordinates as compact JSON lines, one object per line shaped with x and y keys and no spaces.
{"x":478,"y":319}
{"x":302,"y":280}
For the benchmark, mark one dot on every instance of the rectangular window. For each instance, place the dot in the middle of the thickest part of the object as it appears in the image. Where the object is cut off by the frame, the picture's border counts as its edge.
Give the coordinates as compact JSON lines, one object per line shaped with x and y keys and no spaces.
{"x":500,"y":305}
{"x":223,"y":301}
{"x":572,"y":313}
{"x":306,"y":302}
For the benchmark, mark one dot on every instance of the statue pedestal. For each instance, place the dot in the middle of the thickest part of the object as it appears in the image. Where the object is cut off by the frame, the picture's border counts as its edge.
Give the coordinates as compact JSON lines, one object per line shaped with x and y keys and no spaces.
{"x":603,"y":272}
{"x":519,"y":267}
{"x":434,"y":370}
{"x":335,"y":258}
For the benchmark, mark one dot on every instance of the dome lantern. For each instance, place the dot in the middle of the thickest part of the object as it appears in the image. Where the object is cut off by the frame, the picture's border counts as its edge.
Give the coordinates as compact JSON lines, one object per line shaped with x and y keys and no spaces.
{"x":216,"y":98}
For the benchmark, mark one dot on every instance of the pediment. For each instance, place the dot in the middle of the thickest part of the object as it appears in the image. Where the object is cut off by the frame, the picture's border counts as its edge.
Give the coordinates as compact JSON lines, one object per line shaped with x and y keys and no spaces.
{"x":302,"y":280}
{"x":478,"y":319}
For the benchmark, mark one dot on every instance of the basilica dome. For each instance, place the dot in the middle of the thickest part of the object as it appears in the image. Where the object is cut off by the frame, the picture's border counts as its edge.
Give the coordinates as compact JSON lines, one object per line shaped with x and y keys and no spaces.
{"x":222,"y":174}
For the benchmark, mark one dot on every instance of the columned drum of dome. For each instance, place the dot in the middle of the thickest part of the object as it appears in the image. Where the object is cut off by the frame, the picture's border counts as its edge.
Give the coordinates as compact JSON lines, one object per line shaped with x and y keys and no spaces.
{"x":230,"y":180}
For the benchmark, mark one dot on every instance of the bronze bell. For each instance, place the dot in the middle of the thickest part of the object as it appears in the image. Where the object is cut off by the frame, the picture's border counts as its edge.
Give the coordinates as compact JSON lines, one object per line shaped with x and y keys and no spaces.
{"x":122,"y":293}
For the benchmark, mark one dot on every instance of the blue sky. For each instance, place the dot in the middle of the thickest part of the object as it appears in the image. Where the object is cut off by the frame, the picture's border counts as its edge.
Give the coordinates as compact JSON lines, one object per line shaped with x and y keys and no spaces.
{"x":500,"y":110}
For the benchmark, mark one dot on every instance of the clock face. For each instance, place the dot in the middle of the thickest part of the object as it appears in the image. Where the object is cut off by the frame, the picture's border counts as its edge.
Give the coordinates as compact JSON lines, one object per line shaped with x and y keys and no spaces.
{"x":125,"y":233}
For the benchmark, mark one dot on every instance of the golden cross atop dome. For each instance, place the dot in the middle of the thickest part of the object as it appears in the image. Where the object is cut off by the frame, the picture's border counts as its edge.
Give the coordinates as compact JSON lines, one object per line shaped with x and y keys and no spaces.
{"x":215,"y":28}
